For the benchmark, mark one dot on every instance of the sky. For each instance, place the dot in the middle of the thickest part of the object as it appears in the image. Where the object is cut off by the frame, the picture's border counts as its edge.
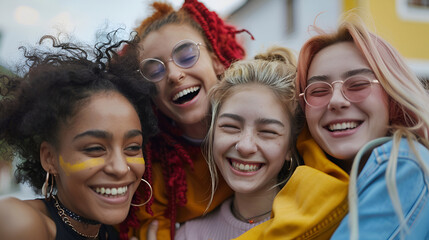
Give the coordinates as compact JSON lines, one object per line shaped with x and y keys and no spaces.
{"x":23,"y":22}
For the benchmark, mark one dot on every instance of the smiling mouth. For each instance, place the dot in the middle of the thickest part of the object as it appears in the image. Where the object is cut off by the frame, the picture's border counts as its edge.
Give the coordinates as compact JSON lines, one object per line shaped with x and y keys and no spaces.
{"x":342,"y":126}
{"x":245,"y":167}
{"x":111,"y":192}
{"x":186,"y":95}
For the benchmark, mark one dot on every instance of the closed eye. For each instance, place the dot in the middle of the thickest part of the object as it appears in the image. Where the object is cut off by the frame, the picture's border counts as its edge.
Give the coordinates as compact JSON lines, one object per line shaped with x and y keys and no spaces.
{"x":94,"y":151}
{"x":133,"y":150}
{"x":229,"y":128}
{"x":268,"y":134}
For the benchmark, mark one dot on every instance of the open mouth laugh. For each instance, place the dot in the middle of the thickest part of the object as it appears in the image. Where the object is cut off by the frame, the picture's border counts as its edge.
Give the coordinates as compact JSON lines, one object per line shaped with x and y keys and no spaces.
{"x":343,"y":126}
{"x":245,"y":166}
{"x":111,"y":192}
{"x":186,"y":95}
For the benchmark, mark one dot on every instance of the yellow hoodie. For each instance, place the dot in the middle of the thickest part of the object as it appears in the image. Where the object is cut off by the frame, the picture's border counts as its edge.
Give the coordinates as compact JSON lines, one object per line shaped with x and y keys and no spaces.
{"x":312,"y":203}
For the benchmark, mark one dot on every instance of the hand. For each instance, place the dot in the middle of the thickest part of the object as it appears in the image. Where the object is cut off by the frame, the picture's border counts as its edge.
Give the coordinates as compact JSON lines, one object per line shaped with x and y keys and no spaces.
{"x":152,"y":230}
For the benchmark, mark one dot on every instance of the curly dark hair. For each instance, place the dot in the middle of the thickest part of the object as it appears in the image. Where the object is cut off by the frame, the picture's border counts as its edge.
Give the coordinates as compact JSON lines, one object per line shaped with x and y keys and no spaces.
{"x":58,"y":82}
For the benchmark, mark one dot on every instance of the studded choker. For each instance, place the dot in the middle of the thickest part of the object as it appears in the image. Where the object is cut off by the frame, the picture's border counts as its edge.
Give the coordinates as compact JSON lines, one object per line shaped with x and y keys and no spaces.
{"x":75,"y":216}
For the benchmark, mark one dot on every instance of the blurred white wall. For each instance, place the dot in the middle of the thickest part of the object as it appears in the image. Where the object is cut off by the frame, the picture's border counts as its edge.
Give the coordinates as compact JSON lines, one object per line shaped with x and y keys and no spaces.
{"x":270,"y":23}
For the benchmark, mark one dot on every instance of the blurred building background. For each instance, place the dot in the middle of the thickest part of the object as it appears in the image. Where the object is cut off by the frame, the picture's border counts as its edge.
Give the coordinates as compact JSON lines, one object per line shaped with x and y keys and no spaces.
{"x":404,"y":23}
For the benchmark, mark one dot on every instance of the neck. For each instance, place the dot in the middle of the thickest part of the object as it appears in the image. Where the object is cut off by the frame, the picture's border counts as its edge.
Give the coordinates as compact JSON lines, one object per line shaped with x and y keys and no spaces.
{"x":196,"y":130}
{"x":82,"y":228}
{"x":254,"y":207}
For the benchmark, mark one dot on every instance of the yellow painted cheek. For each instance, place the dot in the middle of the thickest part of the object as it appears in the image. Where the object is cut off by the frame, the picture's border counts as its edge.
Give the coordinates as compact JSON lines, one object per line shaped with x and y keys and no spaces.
{"x":138,"y":160}
{"x":71,"y":168}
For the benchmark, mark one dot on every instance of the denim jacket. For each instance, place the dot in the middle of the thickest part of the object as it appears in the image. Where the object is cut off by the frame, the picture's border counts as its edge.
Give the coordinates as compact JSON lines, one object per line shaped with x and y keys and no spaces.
{"x":377,"y":218}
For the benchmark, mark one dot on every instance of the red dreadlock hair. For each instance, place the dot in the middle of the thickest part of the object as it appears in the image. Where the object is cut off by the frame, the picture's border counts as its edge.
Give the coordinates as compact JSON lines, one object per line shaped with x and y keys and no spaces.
{"x":168,"y":147}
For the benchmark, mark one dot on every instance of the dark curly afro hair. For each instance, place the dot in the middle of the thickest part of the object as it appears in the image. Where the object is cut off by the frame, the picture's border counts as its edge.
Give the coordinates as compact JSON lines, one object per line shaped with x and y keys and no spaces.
{"x":56,"y":83}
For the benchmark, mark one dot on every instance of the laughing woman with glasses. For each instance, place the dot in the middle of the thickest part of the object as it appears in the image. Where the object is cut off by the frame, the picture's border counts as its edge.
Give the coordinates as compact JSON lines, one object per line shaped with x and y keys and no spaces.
{"x":183,"y":53}
{"x":366,"y":149}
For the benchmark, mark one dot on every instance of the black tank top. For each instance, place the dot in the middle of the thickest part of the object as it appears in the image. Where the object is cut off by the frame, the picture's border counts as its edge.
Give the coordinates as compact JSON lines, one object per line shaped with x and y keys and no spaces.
{"x":64,"y":231}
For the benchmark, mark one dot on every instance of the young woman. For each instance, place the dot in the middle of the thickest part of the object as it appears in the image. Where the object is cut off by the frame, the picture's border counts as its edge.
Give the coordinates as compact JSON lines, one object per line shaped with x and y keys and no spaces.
{"x":367,"y":112}
{"x":251,"y":141}
{"x":78,"y":129}
{"x":184,"y":52}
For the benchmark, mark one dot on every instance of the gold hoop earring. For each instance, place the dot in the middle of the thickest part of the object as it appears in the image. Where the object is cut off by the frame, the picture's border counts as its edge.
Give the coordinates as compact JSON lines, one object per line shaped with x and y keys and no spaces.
{"x":45,"y":187}
{"x":151,"y":192}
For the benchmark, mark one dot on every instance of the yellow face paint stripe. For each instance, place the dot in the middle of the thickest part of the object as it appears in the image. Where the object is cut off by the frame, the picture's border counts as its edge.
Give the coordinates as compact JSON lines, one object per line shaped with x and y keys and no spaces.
{"x":70,"y":168}
{"x":138,"y":160}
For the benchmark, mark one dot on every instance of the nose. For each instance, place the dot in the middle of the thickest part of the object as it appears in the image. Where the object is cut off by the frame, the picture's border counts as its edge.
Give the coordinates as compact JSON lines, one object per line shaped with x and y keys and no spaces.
{"x":116,"y":164}
{"x":174,"y":73}
{"x":246,"y":145}
{"x":338,"y":100}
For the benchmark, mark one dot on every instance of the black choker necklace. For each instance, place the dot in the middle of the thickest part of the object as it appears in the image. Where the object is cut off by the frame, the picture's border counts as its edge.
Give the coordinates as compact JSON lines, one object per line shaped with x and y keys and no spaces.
{"x":75,"y":216}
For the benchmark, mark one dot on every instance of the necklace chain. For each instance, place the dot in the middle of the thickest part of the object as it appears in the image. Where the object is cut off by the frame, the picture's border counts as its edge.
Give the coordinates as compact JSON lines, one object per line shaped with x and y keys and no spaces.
{"x":67,"y":221}
{"x":77,"y":217}
{"x":248,"y":220}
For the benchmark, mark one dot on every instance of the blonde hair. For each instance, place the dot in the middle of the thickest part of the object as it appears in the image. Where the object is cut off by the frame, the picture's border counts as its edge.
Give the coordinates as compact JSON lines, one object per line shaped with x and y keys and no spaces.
{"x":408,"y":113}
{"x":276,"y":70}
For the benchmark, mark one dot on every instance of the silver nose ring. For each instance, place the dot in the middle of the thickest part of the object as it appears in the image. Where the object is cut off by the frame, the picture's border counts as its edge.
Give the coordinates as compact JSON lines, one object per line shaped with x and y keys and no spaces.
{"x":236,"y":146}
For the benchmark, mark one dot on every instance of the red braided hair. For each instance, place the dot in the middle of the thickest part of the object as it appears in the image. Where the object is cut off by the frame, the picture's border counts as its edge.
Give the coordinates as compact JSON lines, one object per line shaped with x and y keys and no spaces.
{"x":220,"y":35}
{"x":168,"y":146}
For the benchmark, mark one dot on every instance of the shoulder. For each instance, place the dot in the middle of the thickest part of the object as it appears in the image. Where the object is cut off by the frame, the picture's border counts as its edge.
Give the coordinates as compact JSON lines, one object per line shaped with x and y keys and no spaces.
{"x":406,"y":172}
{"x":22,"y":220}
{"x":405,"y":149}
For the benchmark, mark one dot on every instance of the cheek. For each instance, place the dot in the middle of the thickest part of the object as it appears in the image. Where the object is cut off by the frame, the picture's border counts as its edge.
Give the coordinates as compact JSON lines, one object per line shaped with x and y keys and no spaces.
{"x":277,"y":152}
{"x":207,"y":73}
{"x":221,"y":145}
{"x":313,"y":117}
{"x":140,"y":171}
{"x":382,"y":112}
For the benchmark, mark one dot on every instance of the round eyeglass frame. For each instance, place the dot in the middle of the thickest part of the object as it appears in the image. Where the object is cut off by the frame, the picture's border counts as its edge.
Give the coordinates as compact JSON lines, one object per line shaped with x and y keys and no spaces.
{"x":171,"y":59}
{"x":371,"y":81}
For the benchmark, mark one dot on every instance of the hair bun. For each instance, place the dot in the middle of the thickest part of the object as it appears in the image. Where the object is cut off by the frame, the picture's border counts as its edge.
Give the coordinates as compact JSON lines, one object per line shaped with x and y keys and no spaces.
{"x":278,"y":54}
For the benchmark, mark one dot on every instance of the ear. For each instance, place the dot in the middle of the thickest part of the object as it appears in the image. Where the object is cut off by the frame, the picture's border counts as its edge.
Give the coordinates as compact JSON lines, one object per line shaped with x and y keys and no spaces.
{"x":218,"y":67}
{"x":48,"y":158}
{"x":288,"y":156}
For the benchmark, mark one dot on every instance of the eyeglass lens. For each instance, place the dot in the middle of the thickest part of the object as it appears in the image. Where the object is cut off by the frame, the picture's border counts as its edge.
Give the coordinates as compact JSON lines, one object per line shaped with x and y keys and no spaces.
{"x":354,"y":89}
{"x":185,"y":54}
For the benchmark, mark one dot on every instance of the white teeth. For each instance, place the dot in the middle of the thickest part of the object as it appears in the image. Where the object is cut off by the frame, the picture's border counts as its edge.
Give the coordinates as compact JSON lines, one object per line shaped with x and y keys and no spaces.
{"x":342,"y":126}
{"x":184,"y":92}
{"x":245,"y":167}
{"x":111,"y":191}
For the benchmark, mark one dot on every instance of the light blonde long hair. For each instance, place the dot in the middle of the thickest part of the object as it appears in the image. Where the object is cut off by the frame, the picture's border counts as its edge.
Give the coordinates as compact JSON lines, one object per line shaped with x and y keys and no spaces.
{"x":408,"y":112}
{"x":276,"y":70}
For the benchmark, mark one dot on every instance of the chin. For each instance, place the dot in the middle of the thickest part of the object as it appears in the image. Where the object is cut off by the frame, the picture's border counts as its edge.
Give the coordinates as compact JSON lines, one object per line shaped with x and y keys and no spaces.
{"x":112,"y":218}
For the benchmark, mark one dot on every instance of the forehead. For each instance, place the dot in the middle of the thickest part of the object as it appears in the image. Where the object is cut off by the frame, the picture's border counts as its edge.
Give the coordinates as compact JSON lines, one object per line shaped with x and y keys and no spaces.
{"x":161,"y":42}
{"x":254,"y":100}
{"x":335,"y":60}
{"x":102,"y":111}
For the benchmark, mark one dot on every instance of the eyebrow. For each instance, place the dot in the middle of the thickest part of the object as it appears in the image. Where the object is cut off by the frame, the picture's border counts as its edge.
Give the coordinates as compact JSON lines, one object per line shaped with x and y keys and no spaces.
{"x":232,"y":116}
{"x":94,"y":133}
{"x":266,"y":121}
{"x":106,"y":135}
{"x":357,"y":72}
{"x":263,"y":121}
{"x":133,"y":133}
{"x":345,"y":75}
